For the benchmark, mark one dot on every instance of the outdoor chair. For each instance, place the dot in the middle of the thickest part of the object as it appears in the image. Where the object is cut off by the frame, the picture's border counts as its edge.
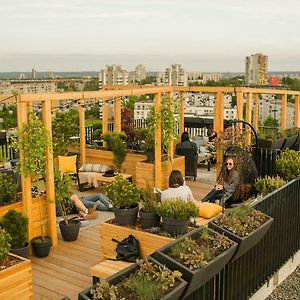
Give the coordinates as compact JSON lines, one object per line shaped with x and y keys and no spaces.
{"x":190,"y":159}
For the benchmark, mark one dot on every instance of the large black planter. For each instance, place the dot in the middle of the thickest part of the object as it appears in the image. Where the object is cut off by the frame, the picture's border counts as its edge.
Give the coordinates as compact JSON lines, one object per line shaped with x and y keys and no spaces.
{"x":174,"y":226}
{"x":296,"y":145}
{"x":23,"y":252}
{"x":195,"y":278}
{"x":244,"y":243}
{"x":270,"y":144}
{"x":41,"y":247}
{"x":149,"y":220}
{"x":126,"y":216}
{"x":114,"y":279}
{"x":69,"y":232}
{"x":290,"y":142}
{"x":150,"y":156}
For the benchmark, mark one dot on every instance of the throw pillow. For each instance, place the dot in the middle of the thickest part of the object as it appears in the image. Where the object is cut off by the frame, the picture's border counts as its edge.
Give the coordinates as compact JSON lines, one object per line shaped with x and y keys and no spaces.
{"x":208,"y":210}
{"x":97,"y":168}
{"x":67,"y":163}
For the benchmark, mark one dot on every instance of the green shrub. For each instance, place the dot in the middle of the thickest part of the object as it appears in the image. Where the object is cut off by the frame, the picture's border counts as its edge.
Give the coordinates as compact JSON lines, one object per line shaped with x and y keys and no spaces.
{"x":122,"y":193}
{"x":8,"y":189}
{"x":177,"y":209}
{"x":288,"y":164}
{"x":268,"y":184}
{"x":148,"y":200}
{"x":4,"y":244}
{"x":16,"y":225}
{"x":289,"y":132}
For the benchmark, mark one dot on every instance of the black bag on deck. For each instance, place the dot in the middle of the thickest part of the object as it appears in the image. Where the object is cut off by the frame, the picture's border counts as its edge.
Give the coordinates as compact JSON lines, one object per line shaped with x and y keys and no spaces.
{"x":128,"y":249}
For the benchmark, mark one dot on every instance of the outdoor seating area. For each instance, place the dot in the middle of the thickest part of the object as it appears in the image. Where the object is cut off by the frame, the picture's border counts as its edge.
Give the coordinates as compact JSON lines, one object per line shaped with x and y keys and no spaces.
{"x":236,"y":242}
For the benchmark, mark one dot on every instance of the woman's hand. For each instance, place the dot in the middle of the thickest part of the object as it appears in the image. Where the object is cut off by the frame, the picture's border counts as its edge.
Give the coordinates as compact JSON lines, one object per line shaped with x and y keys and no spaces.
{"x":219,"y":187}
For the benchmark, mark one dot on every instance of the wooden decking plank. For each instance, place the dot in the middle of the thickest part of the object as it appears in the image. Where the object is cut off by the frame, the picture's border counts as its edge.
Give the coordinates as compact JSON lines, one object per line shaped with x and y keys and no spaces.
{"x":42,"y":293}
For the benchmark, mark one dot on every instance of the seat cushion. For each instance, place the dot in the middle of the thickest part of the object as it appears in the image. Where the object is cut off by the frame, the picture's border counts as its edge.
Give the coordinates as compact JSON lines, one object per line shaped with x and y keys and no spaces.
{"x":97,"y":168}
{"x":67,"y":163}
{"x":208,"y":210}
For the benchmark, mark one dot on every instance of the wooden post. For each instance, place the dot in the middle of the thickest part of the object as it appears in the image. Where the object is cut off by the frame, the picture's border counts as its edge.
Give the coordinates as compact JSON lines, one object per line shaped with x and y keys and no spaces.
{"x":82,"y":132}
{"x":50,"y":190}
{"x":26,"y":182}
{"x":248,"y":117}
{"x":181,"y":115}
{"x":296,"y":108}
{"x":157,"y":141}
{"x":239,"y":107}
{"x":216,"y":113}
{"x":117,"y":114}
{"x":283,"y":111}
{"x":171,"y":147}
{"x":256,"y":111}
{"x":104,"y":118}
{"x":219,"y":120}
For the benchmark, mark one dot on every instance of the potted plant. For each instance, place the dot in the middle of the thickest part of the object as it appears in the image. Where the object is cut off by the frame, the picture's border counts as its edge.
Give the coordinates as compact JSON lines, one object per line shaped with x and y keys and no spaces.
{"x":176,"y":215}
{"x":244,"y":225}
{"x":8,"y":189}
{"x":116,"y":143}
{"x":124,"y":197}
{"x":198,"y":255}
{"x":69,"y":228}
{"x":291,"y":135}
{"x":268,"y":184}
{"x":147,"y":279}
{"x":288,"y":164}
{"x":148,"y":216}
{"x":33,"y":141}
{"x":270,"y":138}
{"x":13,"y":271}
{"x":17,"y":226}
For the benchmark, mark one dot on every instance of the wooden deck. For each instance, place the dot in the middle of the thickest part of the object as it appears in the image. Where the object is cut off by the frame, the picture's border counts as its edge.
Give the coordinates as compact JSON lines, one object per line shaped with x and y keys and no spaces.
{"x":66,"y":271}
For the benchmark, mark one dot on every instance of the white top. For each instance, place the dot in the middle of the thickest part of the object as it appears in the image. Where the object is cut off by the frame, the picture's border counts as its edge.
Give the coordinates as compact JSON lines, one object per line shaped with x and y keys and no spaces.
{"x":182,"y":191}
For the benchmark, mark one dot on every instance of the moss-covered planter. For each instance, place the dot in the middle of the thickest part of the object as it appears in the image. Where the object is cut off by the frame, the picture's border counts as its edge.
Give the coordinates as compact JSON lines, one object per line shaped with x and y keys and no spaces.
{"x":247,"y":242}
{"x":174,"y":294}
{"x":195,"y":278}
{"x":270,"y":144}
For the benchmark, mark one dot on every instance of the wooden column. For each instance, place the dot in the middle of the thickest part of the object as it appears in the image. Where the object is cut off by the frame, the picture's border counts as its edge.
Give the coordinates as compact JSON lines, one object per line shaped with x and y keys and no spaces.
{"x":171,"y":148}
{"x":296,"y":108}
{"x":104,"y":118}
{"x":157,"y":141}
{"x":25,"y":181}
{"x":181,"y":113}
{"x":216,"y":113}
{"x":283,"y":111}
{"x":82,"y":132}
{"x":117,"y":114}
{"x":239,"y":102}
{"x":256,"y":111}
{"x":219,"y":120}
{"x":50,"y":190}
{"x":248,"y":117}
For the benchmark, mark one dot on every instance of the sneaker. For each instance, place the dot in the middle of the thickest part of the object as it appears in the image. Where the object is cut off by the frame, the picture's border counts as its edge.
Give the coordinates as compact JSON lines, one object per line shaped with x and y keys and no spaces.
{"x":91,"y":216}
{"x":92,"y":210}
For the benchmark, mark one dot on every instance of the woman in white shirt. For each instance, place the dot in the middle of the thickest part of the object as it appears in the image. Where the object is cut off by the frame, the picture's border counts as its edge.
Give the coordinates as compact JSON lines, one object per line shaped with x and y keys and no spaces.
{"x":177,"y":188}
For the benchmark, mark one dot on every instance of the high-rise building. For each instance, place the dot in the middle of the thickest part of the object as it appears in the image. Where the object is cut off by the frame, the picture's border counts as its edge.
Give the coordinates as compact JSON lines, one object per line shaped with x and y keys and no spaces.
{"x":33,"y":74}
{"x":256,"y":69}
{"x":174,"y":76}
{"x":114,"y":74}
{"x":140,"y":72}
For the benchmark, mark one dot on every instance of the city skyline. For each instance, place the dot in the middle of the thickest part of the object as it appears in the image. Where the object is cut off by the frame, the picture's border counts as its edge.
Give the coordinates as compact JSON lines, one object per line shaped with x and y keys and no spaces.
{"x":207,"y":37}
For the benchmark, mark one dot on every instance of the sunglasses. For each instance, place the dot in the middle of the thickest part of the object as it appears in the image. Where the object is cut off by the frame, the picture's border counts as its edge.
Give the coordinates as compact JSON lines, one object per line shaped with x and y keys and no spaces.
{"x":229,"y":164}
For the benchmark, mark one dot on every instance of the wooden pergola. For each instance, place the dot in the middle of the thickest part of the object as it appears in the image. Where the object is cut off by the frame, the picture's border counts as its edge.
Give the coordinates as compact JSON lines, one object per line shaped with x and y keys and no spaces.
{"x":47,"y":101}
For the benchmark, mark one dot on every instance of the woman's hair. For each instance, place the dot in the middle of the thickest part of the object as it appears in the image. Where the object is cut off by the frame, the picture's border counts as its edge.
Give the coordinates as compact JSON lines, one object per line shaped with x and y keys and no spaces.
{"x":175,"y":179}
{"x":185,"y":137}
{"x":227,"y":173}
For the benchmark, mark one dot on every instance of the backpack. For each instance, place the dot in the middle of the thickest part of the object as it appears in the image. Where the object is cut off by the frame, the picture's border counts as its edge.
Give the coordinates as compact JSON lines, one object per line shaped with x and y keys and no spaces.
{"x":128,"y":249}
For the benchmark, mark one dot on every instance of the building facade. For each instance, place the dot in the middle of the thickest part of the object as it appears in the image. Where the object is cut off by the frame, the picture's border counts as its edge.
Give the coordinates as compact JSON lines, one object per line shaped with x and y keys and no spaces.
{"x":113,"y":74}
{"x":173,"y":76}
{"x":140,"y":72}
{"x":256,"y":69}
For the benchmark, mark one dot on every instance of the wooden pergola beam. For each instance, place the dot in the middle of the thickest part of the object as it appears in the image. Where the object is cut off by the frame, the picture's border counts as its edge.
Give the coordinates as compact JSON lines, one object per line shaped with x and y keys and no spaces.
{"x":157,"y":141}
{"x":296,"y":108}
{"x":283,"y":111}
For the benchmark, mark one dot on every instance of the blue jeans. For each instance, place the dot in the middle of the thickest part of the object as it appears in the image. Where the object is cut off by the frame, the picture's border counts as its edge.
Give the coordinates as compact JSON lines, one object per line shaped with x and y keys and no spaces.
{"x":213,"y":195}
{"x":102,"y":204}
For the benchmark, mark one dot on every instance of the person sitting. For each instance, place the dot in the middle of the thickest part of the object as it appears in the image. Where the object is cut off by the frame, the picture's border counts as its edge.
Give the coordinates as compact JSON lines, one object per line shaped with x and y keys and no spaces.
{"x":177,"y":188}
{"x":88,"y":205}
{"x":186,"y":143}
{"x":231,"y":180}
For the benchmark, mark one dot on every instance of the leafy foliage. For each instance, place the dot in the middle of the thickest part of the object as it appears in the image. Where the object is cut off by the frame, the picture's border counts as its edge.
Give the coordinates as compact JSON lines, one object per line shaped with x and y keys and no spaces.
{"x":122,"y":193}
{"x":64,"y":125}
{"x":16,"y":225}
{"x":115,"y":141}
{"x":8,"y":189}
{"x":242,"y":220}
{"x":127,"y":124}
{"x":268,"y":184}
{"x":289,"y":132}
{"x":4,"y":244}
{"x":148,"y":200}
{"x":177,"y":209}
{"x":288,"y":164}
{"x":105,"y":291}
{"x":33,"y":142}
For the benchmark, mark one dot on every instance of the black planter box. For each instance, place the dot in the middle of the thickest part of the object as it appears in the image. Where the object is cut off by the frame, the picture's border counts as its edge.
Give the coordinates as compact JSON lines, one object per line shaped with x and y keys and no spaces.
{"x":290,"y":142}
{"x":172,"y":295}
{"x":195,"y":278}
{"x":270,"y":144}
{"x":247,"y":242}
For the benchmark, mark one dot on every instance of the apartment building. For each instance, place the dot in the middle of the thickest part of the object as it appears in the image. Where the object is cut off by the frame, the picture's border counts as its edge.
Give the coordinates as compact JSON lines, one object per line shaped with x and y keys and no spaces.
{"x":140,"y":72}
{"x":113,"y":74}
{"x":7,"y":87}
{"x":256,"y":69}
{"x":175,"y":75}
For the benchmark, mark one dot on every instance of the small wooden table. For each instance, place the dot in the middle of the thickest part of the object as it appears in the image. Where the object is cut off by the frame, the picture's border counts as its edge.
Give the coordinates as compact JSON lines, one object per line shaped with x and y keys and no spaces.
{"x":103,"y":179}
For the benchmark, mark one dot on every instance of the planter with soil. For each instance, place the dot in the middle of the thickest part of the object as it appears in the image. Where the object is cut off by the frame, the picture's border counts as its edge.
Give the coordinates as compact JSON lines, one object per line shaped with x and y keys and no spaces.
{"x":270,"y":144}
{"x":126,"y":216}
{"x":139,"y":281}
{"x":149,"y":220}
{"x":198,"y":255}
{"x":244,"y":225}
{"x":70,"y":231}
{"x":41,"y":246}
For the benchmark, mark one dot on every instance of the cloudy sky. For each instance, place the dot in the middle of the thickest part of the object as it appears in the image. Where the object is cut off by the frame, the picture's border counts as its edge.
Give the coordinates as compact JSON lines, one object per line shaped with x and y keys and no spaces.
{"x":211,"y":35}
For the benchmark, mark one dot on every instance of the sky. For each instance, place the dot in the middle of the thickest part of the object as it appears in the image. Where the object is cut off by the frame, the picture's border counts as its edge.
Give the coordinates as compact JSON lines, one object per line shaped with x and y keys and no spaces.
{"x":204,"y":36}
